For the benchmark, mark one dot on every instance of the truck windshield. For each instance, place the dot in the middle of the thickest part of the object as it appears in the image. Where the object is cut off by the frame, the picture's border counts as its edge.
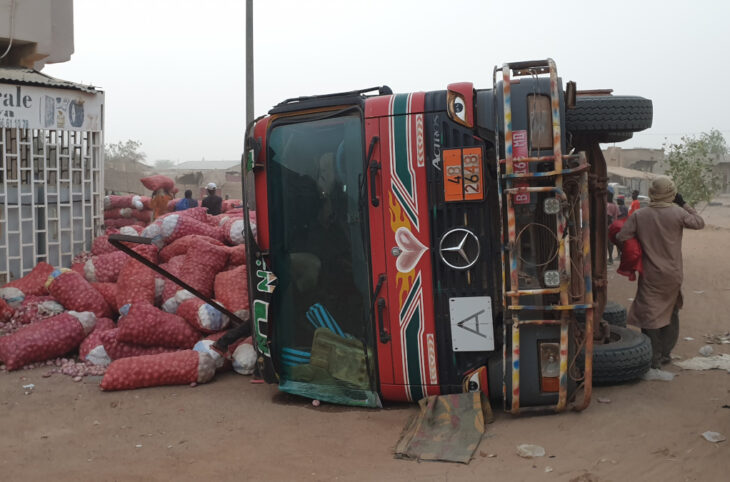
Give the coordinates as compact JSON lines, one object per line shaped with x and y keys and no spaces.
{"x":322,"y":335}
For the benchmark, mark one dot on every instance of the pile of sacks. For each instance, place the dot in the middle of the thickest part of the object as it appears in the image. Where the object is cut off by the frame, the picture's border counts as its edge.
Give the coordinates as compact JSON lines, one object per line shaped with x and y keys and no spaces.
{"x":112,"y":311}
{"x":129,"y":210}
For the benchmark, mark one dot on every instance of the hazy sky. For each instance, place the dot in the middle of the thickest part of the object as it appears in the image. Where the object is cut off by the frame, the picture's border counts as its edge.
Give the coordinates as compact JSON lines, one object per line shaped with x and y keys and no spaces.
{"x":173,"y":71}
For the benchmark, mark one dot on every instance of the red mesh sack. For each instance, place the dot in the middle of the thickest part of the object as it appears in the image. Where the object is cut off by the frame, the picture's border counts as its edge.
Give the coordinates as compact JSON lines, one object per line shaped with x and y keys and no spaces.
{"x":34,"y":283}
{"x":118,"y":213}
{"x":121,"y":222}
{"x":237,"y":255}
{"x":202,"y":316}
{"x":6,"y":312}
{"x":92,"y":343}
{"x":144,"y":216}
{"x":101,"y":245}
{"x":143,"y":324}
{"x":117,"y":202}
{"x":109,"y":292}
{"x":169,"y":290}
{"x":630,"y":252}
{"x":233,"y":230}
{"x":181,"y":246}
{"x":230,"y":204}
{"x":117,"y":349}
{"x":54,"y":337}
{"x":202,"y":262}
{"x":177,"y":225}
{"x":79,"y":268}
{"x":136,"y":282}
{"x":204,"y":346}
{"x":133,"y":230}
{"x":171,"y":205}
{"x":75,"y":293}
{"x":231,"y":289}
{"x":158,"y":181}
{"x":179,"y":368}
{"x":36,"y":308}
{"x":105,"y":268}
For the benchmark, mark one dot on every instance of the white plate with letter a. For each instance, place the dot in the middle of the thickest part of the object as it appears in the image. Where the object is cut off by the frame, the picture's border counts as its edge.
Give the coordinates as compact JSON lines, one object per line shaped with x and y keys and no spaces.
{"x":471,"y":323}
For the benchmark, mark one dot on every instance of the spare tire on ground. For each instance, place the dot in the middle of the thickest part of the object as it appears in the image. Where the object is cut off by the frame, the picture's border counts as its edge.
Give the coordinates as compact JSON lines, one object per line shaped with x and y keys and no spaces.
{"x":626,"y":357}
{"x":613,"y":314}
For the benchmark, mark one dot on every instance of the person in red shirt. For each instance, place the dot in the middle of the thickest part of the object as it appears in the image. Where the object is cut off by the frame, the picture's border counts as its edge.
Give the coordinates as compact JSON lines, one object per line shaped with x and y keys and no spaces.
{"x":635,"y":204}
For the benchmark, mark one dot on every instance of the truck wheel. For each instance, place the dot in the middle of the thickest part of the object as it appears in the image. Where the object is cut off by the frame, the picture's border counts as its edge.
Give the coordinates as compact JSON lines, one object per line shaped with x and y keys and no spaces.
{"x":611,"y":137}
{"x":625,"y":357}
{"x":615,"y":314}
{"x":610,"y":114}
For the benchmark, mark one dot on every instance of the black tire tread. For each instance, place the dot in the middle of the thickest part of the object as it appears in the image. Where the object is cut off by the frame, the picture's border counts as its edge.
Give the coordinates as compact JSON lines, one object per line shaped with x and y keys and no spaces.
{"x":621,"y":361}
{"x":609,"y":113}
{"x":614,"y":314}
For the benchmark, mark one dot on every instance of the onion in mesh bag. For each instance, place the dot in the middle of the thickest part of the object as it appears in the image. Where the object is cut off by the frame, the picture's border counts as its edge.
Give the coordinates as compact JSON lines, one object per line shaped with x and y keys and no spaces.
{"x":169,"y":302}
{"x":117,"y":349}
{"x":105,"y":268}
{"x":136,"y":282}
{"x":92,"y":349}
{"x":143,"y":324}
{"x":34,"y":283}
{"x":75,"y":293}
{"x":158,"y":181}
{"x":36,"y":308}
{"x":181,"y":246}
{"x":237,"y":255}
{"x":202,"y":316}
{"x":231,"y":290}
{"x":178,"y":368}
{"x":101,"y":245}
{"x":204,"y":346}
{"x":6,"y":312}
{"x":176,"y":226}
{"x":54,"y":337}
{"x":202,"y":262}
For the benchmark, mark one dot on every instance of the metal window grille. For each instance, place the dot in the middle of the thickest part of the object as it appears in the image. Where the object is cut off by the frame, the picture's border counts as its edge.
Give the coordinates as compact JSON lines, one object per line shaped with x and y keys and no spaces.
{"x":52,"y":183}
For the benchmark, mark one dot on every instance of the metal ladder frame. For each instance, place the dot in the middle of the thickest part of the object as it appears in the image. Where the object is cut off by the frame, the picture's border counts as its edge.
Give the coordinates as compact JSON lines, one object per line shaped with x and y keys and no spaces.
{"x":513,"y":310}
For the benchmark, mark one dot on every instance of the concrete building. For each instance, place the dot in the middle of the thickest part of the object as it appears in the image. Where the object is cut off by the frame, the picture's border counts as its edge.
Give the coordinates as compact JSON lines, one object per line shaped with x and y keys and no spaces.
{"x":51,"y":142}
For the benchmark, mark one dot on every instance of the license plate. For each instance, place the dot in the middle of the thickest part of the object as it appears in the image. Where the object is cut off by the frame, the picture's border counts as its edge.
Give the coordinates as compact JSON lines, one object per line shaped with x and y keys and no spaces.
{"x":462,"y":170}
{"x":471,"y":323}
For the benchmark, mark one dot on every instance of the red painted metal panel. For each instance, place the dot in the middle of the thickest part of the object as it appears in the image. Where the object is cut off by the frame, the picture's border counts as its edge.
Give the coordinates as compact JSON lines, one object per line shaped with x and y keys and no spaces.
{"x":406,"y":251}
{"x":262,"y":198}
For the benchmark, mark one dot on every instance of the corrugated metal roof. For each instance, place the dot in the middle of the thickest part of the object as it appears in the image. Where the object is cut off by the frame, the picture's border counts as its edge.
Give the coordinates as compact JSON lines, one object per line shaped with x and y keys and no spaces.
{"x":33,"y":77}
{"x":206,"y":165}
{"x":630,"y":173}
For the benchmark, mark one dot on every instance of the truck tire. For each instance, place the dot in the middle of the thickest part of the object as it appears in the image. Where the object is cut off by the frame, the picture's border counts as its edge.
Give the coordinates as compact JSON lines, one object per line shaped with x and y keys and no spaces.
{"x":609,"y":114}
{"x":615,"y":314}
{"x":626,"y":357}
{"x":611,"y":137}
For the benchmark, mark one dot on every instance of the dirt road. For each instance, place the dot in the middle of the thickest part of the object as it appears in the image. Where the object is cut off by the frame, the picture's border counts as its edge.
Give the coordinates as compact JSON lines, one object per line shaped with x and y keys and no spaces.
{"x":234,"y":430}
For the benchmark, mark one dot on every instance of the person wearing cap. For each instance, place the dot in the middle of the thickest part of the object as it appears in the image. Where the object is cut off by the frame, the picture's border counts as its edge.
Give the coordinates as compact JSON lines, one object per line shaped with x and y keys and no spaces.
{"x":658,"y":297}
{"x":212,"y":201}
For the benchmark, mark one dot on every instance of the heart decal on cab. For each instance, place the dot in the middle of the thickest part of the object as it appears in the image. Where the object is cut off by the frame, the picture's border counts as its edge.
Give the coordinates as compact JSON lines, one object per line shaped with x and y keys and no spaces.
{"x":411,"y":250}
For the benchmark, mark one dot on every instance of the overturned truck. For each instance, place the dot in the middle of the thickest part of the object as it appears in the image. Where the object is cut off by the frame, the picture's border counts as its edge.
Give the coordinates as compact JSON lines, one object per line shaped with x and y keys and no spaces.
{"x":416,"y":244}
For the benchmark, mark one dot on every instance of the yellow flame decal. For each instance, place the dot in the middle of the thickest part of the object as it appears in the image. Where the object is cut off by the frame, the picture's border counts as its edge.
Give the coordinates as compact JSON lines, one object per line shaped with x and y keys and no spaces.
{"x":398,"y":219}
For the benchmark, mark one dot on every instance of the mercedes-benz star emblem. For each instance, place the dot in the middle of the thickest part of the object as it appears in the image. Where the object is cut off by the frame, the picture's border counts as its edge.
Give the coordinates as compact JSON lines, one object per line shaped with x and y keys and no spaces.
{"x":459,"y":248}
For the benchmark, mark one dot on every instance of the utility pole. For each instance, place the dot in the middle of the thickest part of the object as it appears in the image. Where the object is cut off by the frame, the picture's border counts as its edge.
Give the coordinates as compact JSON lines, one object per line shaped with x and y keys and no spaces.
{"x":249,"y":61}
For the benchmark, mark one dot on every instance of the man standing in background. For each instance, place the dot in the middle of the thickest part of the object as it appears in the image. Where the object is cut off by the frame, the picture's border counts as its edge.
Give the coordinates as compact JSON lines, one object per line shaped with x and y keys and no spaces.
{"x":187,"y":202}
{"x":212,"y":201}
{"x":658,"y":300}
{"x":635,"y":204}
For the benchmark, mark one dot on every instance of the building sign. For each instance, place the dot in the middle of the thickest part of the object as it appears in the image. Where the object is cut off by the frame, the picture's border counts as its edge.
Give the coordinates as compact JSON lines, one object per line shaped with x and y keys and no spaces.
{"x":28,"y":107}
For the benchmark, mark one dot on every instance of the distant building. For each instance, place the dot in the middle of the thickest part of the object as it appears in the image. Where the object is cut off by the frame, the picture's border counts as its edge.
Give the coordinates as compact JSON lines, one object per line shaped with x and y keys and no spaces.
{"x":639,"y":159}
{"x":722,"y":171}
{"x":194,"y":175}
